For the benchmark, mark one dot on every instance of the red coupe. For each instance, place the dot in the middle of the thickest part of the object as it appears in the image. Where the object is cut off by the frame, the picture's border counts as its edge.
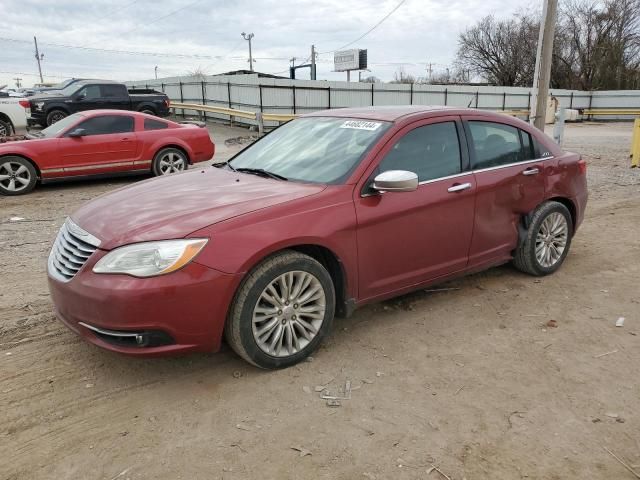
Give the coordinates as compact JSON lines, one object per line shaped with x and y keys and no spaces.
{"x":101,"y":142}
{"x":326,"y":213}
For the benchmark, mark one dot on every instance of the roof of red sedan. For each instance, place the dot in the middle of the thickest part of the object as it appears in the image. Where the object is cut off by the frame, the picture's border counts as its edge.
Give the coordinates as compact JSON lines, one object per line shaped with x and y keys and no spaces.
{"x":388,"y":113}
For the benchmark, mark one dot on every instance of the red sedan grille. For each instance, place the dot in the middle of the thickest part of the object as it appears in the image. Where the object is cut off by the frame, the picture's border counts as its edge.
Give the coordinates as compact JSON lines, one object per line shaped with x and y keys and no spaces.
{"x":69,"y":253}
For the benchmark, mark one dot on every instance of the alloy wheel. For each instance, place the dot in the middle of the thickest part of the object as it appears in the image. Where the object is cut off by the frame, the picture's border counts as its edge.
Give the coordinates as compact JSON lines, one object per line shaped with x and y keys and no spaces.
{"x":14,"y":177}
{"x":289,"y":314}
{"x":56,"y":117}
{"x":172,"y":162}
{"x":551,"y":239}
{"x":3,"y":130}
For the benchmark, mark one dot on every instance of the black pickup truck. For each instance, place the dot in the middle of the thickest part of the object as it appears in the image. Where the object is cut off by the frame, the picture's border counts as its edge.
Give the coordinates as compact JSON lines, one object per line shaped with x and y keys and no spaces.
{"x":48,"y":108}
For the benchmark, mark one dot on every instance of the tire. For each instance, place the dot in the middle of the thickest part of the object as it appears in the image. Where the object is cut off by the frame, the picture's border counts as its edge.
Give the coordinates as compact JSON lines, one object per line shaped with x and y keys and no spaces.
{"x":169,"y":160}
{"x":17,"y":176}
{"x":282,"y":335}
{"x":5,"y":129}
{"x":547,"y":240}
{"x":148,"y":111}
{"x":55,"y":116}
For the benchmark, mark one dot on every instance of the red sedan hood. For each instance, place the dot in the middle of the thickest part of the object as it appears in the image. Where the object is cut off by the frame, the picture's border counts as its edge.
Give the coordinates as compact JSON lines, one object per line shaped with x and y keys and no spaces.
{"x":174,"y":206}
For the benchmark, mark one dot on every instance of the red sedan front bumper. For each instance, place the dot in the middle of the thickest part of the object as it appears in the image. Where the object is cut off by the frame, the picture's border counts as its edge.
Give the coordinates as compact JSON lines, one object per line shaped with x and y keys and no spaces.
{"x":186,"y":308}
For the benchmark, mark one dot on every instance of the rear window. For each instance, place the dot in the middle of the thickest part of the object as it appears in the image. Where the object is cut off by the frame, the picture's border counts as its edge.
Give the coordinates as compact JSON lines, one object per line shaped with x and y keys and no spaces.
{"x":150,"y":124}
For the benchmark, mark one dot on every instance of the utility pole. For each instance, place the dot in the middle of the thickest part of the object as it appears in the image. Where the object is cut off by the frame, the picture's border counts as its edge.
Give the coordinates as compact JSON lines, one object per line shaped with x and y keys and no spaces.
{"x":248,"y":37}
{"x":430,"y":70}
{"x":313,"y":62}
{"x":542,"y":73}
{"x":156,"y":71}
{"x":38,"y":58}
{"x":18,"y":80}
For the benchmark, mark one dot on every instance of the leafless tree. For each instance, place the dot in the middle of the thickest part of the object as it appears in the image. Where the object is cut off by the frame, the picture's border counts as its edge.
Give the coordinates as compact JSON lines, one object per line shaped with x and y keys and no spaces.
{"x":401,"y":76}
{"x":597,"y":46}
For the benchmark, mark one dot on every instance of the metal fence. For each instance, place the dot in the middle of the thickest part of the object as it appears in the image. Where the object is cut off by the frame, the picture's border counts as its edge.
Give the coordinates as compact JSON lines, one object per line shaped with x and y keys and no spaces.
{"x":284,"y":96}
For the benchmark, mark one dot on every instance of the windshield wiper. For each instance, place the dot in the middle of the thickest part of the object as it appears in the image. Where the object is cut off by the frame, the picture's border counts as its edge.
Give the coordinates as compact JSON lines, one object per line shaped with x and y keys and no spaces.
{"x":223,"y":164}
{"x":262,"y":172}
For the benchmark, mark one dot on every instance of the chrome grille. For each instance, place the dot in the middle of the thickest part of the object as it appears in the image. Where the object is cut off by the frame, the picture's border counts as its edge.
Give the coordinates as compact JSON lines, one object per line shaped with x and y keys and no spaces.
{"x":70,"y":251}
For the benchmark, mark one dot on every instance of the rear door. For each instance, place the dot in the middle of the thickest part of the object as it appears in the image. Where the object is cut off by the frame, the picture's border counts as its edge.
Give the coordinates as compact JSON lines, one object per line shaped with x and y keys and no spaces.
{"x":510,"y":183}
{"x":108,"y":144}
{"x":407,"y":238}
{"x":115,"y":96}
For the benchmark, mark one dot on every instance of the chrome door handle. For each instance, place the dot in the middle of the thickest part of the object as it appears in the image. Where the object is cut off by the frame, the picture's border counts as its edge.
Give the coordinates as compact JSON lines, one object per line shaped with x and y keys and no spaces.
{"x":458,"y":188}
{"x":531,"y":171}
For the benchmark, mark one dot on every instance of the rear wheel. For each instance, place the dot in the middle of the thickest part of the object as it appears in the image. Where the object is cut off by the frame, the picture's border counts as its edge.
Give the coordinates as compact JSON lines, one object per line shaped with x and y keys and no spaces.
{"x":282,"y":311}
{"x":547,"y":240}
{"x":55,"y":116}
{"x":5,"y":129}
{"x":148,"y":111}
{"x":168,"y":161}
{"x":17,"y":176}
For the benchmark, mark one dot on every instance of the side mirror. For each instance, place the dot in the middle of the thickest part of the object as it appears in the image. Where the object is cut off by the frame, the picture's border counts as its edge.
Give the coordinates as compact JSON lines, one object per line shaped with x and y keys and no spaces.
{"x":77,"y":132}
{"x":396,"y":181}
{"x":81,"y":96}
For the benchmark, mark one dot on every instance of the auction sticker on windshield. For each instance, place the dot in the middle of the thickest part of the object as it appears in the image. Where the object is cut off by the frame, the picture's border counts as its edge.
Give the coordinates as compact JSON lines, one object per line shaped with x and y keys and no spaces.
{"x":360,"y":125}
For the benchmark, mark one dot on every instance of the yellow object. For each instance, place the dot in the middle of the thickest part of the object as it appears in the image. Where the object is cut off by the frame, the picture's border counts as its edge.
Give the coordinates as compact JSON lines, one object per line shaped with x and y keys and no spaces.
{"x":635,"y":144}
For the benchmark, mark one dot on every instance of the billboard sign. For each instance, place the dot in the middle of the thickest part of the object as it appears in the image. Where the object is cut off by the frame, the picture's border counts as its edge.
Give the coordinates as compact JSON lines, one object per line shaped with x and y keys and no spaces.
{"x":346,"y":60}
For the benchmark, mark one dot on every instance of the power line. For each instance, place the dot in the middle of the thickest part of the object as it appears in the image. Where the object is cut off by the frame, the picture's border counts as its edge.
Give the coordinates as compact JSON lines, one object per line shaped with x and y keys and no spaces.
{"x":124,"y":52}
{"x":117,"y":10}
{"x":368,"y":31}
{"x":157,"y":19}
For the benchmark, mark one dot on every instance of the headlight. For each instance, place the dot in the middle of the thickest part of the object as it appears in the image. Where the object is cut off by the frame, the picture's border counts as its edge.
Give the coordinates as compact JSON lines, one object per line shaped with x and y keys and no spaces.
{"x":150,"y":258}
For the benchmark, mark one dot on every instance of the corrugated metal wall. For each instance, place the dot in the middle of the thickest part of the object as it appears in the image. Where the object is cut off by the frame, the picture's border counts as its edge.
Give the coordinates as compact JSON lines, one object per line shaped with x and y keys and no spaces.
{"x":249,"y":92}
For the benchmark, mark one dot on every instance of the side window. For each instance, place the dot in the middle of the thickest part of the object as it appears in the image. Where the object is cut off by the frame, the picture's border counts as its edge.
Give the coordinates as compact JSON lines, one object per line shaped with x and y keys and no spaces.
{"x":150,"y":124}
{"x":495,"y":144}
{"x":107,"y":124}
{"x":431,"y":151}
{"x":113,"y":91}
{"x":527,"y":146}
{"x":90,"y":92}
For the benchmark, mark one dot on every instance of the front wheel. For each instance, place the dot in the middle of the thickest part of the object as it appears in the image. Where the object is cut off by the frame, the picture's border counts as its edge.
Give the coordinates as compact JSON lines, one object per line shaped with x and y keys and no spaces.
{"x":55,"y":116}
{"x":169,"y":160}
{"x":5,"y":129}
{"x":547,"y":240}
{"x":282,"y":311}
{"x":17,"y":176}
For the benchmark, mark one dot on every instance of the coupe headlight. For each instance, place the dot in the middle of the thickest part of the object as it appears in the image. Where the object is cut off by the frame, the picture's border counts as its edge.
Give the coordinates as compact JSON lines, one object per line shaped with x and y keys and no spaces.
{"x":150,"y":258}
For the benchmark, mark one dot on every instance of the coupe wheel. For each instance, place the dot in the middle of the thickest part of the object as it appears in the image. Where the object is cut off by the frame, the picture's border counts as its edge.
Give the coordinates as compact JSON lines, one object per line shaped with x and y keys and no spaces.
{"x":17,"y":176}
{"x":55,"y":116}
{"x":169,"y":160}
{"x":5,"y":129}
{"x":547,"y":241}
{"x":282,"y":311}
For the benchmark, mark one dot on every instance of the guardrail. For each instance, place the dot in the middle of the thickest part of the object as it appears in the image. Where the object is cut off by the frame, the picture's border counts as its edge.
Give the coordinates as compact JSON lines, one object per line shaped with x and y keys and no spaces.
{"x":259,"y":117}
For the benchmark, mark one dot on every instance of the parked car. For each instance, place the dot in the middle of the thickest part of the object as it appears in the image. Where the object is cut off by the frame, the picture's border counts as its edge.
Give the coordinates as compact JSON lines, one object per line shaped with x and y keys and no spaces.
{"x":101,"y":142}
{"x":47,"y":109}
{"x":331,"y":211}
{"x":14,"y":112}
{"x":58,"y":86}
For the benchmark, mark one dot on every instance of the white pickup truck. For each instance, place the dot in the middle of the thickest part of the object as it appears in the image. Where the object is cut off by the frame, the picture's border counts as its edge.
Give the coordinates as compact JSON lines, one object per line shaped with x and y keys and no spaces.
{"x":13,"y":115}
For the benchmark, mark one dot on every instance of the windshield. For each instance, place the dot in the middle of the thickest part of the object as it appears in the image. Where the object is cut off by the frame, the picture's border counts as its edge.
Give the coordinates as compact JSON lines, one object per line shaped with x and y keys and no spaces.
{"x":313,"y":149}
{"x":71,"y":89}
{"x":56,"y":128}
{"x":64,"y":84}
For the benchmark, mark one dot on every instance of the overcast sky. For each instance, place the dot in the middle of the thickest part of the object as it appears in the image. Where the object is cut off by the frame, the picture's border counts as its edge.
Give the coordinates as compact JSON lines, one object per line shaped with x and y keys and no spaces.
{"x":417,"y":33}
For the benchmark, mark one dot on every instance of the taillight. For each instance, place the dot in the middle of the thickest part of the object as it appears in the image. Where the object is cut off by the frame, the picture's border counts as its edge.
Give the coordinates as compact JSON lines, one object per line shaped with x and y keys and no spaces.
{"x":582,"y":166}
{"x":24,"y":103}
{"x":167,"y":102}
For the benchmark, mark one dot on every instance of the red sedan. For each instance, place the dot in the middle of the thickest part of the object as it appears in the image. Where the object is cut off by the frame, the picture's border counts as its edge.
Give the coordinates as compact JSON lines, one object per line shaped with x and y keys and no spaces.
{"x":101,"y":142}
{"x":331,"y":211}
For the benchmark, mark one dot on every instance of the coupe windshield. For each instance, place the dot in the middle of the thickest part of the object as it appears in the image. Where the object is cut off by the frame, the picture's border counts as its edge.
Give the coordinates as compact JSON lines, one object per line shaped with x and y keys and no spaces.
{"x":312,"y":149}
{"x":56,"y":128}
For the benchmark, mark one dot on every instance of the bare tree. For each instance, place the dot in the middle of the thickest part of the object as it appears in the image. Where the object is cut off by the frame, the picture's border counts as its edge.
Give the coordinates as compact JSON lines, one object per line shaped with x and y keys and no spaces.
{"x":401,"y":76}
{"x":371,"y":79}
{"x":198,"y":73}
{"x":597,"y":46}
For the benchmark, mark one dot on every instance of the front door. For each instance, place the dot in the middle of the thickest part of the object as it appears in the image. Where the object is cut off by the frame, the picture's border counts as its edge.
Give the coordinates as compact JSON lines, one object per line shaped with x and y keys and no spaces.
{"x":89,"y":98}
{"x":108,"y":144}
{"x":408,"y":238}
{"x":510,"y":184}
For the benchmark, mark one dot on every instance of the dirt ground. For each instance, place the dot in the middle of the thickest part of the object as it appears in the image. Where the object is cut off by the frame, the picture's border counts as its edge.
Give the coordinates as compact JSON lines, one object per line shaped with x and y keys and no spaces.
{"x":470,"y":380}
